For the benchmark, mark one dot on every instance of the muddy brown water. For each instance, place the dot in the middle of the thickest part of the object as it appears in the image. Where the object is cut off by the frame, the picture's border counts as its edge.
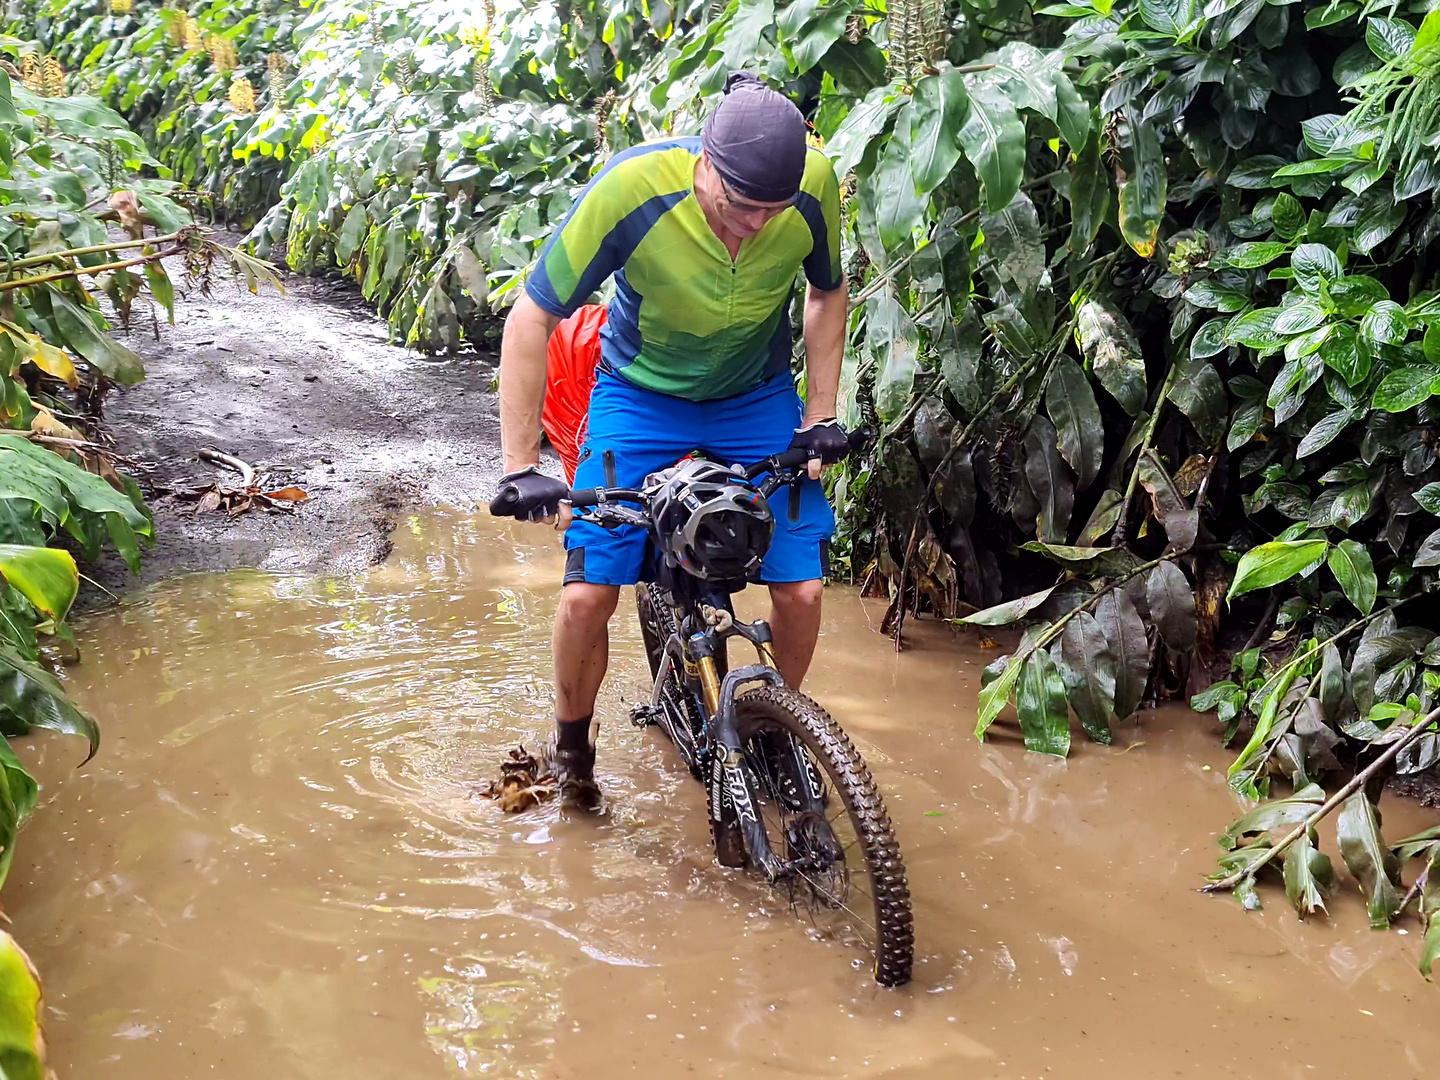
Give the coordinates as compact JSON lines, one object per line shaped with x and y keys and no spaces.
{"x":279,"y":865}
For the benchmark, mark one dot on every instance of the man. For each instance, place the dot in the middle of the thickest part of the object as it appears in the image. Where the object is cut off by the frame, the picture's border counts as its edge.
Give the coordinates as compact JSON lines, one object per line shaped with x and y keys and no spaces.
{"x":704,"y":237}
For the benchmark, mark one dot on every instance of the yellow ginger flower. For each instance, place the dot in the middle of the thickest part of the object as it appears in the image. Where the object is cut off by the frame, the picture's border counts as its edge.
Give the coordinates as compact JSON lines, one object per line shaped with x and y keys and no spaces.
{"x":242,"y":95}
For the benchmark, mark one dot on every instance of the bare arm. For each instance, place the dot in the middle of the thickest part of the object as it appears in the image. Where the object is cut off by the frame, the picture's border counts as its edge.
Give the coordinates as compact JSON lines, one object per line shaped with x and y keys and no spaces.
{"x":825,"y":313}
{"x":522,"y":381}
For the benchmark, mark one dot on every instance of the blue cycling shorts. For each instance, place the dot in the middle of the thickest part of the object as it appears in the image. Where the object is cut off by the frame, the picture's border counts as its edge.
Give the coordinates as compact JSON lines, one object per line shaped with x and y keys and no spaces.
{"x":639,"y":432}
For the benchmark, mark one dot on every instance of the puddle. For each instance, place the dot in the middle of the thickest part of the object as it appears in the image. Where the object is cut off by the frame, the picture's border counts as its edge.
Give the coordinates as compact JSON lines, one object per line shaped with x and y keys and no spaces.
{"x":280,"y":865}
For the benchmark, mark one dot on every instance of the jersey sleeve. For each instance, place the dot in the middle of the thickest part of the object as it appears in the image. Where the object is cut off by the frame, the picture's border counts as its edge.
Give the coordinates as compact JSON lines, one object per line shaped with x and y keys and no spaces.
{"x":819,"y":202}
{"x":583,"y":252}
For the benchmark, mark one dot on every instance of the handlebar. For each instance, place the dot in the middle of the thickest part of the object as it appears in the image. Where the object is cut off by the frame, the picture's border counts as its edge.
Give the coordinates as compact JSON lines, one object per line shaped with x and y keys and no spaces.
{"x":780,"y":468}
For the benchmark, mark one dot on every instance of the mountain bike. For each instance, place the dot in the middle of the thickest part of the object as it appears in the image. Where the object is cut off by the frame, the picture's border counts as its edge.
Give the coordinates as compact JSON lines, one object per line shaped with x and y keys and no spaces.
{"x":788,"y":794}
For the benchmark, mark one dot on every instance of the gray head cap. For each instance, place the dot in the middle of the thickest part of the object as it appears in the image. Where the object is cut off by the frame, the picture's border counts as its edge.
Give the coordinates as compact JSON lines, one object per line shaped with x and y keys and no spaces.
{"x":756,"y":140}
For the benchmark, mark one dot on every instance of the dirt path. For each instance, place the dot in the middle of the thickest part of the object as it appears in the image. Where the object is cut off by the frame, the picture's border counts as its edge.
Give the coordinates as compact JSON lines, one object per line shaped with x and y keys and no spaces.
{"x":306,"y":387}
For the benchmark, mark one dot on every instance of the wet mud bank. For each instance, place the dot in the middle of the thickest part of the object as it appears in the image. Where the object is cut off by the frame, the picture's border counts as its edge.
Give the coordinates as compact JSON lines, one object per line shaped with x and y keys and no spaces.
{"x":305,"y":387}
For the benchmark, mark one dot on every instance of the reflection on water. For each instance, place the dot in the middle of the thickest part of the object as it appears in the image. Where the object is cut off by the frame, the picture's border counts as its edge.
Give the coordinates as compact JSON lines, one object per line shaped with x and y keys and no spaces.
{"x":280,"y":865}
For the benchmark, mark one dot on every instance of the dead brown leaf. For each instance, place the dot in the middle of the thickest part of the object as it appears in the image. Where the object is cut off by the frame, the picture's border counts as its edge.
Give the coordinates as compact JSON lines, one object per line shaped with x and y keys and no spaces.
{"x":287,"y":494}
{"x":524,"y":782}
{"x":127,"y":209}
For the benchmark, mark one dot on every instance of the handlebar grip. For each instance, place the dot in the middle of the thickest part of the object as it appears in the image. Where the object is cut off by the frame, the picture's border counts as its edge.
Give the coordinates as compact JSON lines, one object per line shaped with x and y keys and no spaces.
{"x":585,"y":497}
{"x":791,"y":459}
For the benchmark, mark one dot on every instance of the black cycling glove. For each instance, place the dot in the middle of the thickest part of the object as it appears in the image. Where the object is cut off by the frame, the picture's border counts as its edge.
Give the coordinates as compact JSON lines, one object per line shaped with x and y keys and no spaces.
{"x":528,"y":495}
{"x":825,"y":440}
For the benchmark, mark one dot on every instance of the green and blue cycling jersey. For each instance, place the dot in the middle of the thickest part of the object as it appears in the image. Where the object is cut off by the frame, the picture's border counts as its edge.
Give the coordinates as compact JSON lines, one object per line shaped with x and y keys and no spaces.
{"x":687,"y":320}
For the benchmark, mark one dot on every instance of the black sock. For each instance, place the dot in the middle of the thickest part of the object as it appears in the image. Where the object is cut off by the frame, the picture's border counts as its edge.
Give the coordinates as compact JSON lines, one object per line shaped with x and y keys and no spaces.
{"x":572,"y":734}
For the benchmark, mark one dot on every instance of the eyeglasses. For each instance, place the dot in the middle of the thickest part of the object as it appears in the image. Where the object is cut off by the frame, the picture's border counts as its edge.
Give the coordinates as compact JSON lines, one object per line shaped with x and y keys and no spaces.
{"x":748,"y":207}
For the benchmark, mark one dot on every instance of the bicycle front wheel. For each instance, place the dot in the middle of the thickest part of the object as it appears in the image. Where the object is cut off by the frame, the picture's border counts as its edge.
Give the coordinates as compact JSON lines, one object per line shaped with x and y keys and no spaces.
{"x":846,"y":872}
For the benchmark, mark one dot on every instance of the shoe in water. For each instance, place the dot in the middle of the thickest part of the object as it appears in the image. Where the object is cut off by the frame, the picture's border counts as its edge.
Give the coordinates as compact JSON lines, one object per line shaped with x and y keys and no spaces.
{"x":574,"y":772}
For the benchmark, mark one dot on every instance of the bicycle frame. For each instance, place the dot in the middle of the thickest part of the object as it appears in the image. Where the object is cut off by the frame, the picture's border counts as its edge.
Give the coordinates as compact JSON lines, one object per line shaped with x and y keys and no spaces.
{"x":708,"y":623}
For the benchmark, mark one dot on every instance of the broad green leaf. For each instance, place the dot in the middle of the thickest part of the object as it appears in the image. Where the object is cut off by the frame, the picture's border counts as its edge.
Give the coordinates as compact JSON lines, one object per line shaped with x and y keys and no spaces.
{"x":994,"y":697}
{"x":1430,"y":898}
{"x":1325,"y":431}
{"x":1041,"y":706}
{"x":1113,"y":352}
{"x":1169,"y":17}
{"x":1013,"y":243}
{"x":937,"y":110}
{"x":1273,"y":563}
{"x":161,"y":287}
{"x":1198,"y":393}
{"x":1429,"y":497}
{"x":993,"y":138}
{"x":1124,"y":630}
{"x":1350,"y":563}
{"x":899,"y":207}
{"x":107,"y":355}
{"x":31,"y":697}
{"x":1209,"y":340}
{"x":1378,"y":219}
{"x":1071,"y":404}
{"x":1428,"y":553}
{"x":1368,"y":859}
{"x":1087,"y":561}
{"x":1009,"y":612}
{"x":22,"y":1044}
{"x":1307,"y":873}
{"x":1089,"y":195}
{"x":1406,"y":388}
{"x":1050,"y":481}
{"x":1288,"y":216}
{"x":1345,"y":354}
{"x":1389,"y":38}
{"x":352,"y":233}
{"x":1172,"y":605}
{"x":1103,"y":518}
{"x":1298,"y":318}
{"x":1088,"y":668}
{"x":894,"y":341}
{"x":45,"y":576}
{"x":1314,"y":265}
{"x":1142,"y":194}
{"x":1385,"y":324}
{"x":1253,"y":255}
{"x":847,"y":146}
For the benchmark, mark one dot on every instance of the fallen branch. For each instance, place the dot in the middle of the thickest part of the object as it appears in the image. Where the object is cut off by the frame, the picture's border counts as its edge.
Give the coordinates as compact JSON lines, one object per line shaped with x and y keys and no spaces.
{"x":1356,"y":783}
{"x":91,"y":271}
{"x":248,"y":473}
{"x":93,"y":249}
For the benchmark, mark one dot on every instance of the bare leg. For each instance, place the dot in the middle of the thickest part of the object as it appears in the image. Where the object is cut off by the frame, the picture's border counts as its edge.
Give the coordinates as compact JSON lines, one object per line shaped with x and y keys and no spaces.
{"x":581,"y":646}
{"x":795,"y":619}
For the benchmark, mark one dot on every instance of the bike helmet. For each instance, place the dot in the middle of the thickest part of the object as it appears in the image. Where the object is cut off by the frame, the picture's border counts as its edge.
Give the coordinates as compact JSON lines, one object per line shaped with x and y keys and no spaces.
{"x":711,"y":523}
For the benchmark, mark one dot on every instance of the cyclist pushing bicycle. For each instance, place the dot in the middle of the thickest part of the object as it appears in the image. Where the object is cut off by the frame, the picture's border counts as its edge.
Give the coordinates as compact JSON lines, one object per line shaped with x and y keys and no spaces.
{"x":704,"y":237}
{"x":694,"y":426}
